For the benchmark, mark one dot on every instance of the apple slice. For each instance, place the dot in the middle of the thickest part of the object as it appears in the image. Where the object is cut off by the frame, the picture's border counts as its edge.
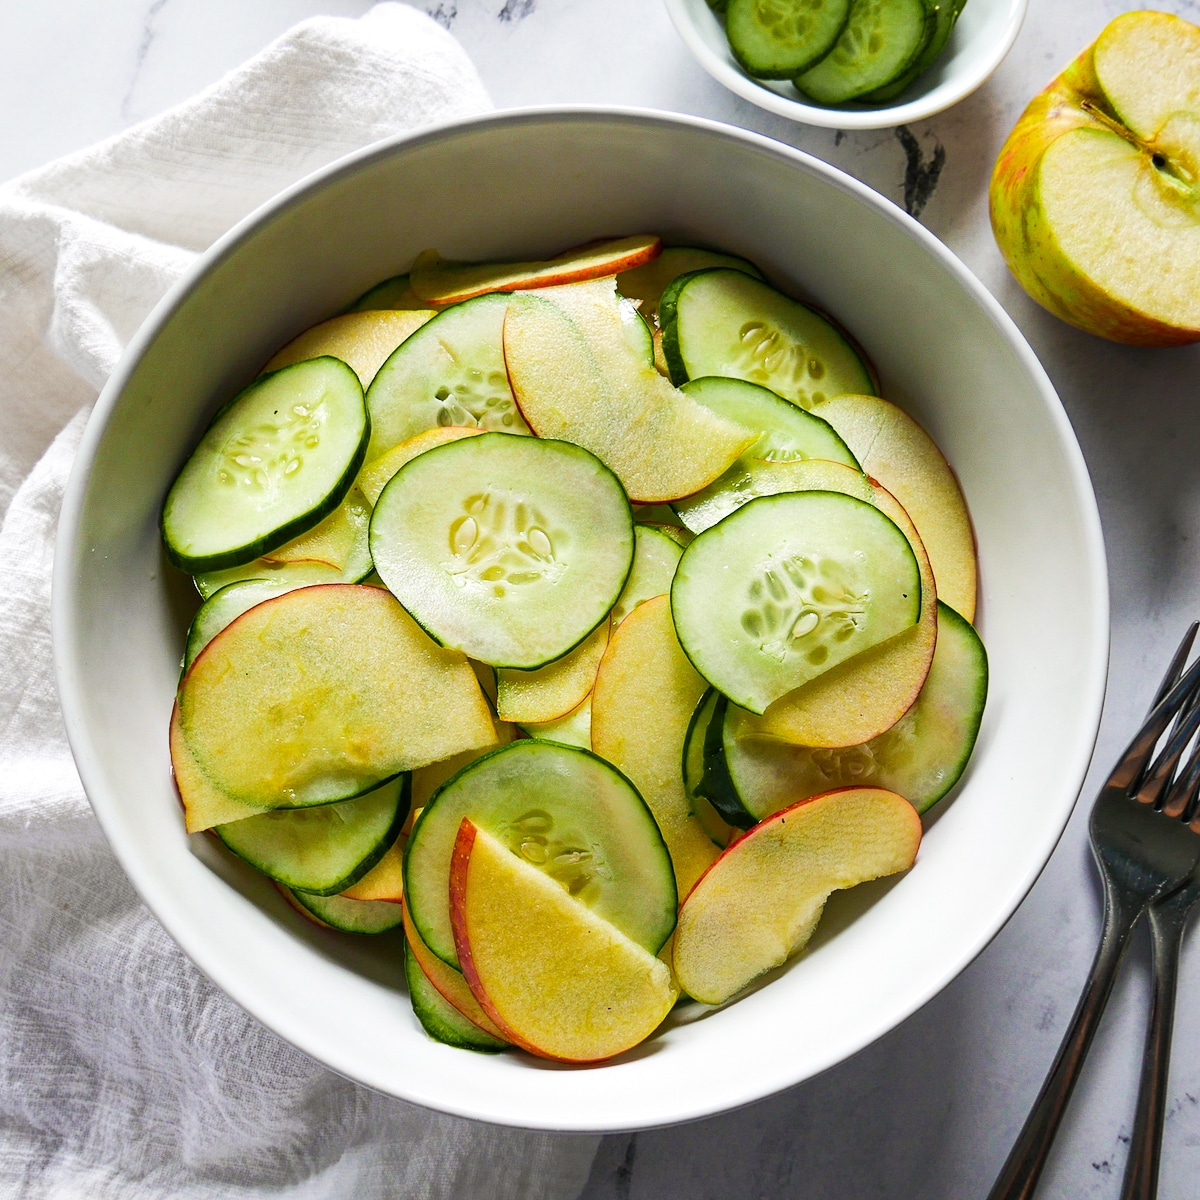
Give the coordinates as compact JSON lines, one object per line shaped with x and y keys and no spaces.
{"x":556,"y":979}
{"x":642,"y":705}
{"x":893,"y":449}
{"x":554,"y":690}
{"x":362,"y":340}
{"x":1094,"y":198}
{"x":860,"y":698}
{"x":374,"y":477}
{"x":449,"y":982}
{"x":385,"y":880}
{"x":577,"y":376}
{"x":426,"y":780}
{"x":441,"y":281}
{"x":759,"y":903}
{"x":271,"y":716}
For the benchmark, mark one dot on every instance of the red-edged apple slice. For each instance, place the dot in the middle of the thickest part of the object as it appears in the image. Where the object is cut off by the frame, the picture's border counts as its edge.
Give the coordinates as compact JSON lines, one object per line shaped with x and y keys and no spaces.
{"x":867,"y":694}
{"x":449,"y":982}
{"x":893,"y":449}
{"x":642,"y":705}
{"x":759,"y":903}
{"x":441,"y":281}
{"x":554,"y":690}
{"x":362,"y":340}
{"x":577,"y":375}
{"x":556,"y":979}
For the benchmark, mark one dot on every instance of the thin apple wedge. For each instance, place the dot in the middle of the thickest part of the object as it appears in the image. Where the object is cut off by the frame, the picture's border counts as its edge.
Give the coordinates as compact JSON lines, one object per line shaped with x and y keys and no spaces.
{"x":441,"y":281}
{"x":554,"y":690}
{"x":374,"y":477}
{"x":893,"y":449}
{"x":642,"y":705}
{"x":362,"y":340}
{"x":449,"y":982}
{"x":385,"y":880}
{"x":577,"y":376}
{"x":267,"y":716}
{"x":759,"y":903}
{"x":556,"y":979}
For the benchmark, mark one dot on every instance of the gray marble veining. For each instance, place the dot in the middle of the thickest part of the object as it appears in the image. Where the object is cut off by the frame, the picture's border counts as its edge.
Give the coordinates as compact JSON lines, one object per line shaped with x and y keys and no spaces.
{"x":929,"y":1111}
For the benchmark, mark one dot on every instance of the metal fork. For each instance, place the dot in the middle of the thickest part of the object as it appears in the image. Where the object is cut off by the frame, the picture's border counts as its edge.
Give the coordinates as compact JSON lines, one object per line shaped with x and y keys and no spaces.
{"x":1145,"y":842}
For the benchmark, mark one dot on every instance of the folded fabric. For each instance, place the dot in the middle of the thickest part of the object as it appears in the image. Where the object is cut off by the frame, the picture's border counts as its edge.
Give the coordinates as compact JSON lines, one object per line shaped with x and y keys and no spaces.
{"x":123,"y":1072}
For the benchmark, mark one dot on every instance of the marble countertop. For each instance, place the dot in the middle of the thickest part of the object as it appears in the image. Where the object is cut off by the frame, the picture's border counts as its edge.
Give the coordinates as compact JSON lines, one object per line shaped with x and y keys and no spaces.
{"x":930,"y":1110}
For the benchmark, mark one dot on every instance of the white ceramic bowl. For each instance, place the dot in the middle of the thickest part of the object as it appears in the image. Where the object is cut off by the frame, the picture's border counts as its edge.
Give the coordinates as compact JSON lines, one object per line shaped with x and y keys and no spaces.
{"x":983,"y":36}
{"x":526,"y":184}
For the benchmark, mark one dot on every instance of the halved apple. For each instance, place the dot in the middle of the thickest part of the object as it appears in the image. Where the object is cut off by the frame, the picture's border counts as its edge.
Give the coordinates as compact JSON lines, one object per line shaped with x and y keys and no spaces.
{"x":554,"y":690}
{"x":556,"y":979}
{"x":893,"y":449}
{"x":576,"y":375}
{"x":362,"y":340}
{"x":374,"y":477}
{"x":449,"y":982}
{"x":860,"y":698}
{"x":1095,"y":197}
{"x":442,"y":281}
{"x":759,"y":903}
{"x":642,"y":704}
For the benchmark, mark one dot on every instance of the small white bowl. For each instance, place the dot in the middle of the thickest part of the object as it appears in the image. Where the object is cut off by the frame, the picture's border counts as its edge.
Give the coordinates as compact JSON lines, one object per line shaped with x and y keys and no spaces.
{"x":519,"y":185}
{"x":983,"y":36}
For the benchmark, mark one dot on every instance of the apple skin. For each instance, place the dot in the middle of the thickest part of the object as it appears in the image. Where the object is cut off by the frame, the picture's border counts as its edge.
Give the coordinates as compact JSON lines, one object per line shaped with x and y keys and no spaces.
{"x":1024,"y":235}
{"x":552,"y":273}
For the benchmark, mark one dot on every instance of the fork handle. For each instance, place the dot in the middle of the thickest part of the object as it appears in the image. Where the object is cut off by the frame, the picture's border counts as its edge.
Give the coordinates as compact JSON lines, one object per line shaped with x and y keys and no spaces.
{"x":1168,"y":919}
{"x":1025,"y":1161}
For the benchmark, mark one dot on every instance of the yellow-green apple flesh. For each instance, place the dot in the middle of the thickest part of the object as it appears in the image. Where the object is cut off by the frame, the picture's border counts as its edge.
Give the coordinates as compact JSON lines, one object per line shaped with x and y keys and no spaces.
{"x":759,"y":903}
{"x":556,"y":979}
{"x":441,"y":281}
{"x":1095,"y":197}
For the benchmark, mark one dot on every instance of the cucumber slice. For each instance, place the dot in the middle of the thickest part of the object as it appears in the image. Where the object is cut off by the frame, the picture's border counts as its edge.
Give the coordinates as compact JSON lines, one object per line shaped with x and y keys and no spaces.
{"x":881,"y":40}
{"x":349,"y":916}
{"x":777,"y":39}
{"x":947,"y":13}
{"x":694,"y":782}
{"x":725,"y":323}
{"x":655,"y":557}
{"x":439,"y":1018}
{"x":510,"y":549}
{"x":647,"y":284}
{"x":278,"y":457}
{"x":337,"y":550}
{"x":322,"y":850}
{"x":224,"y":607}
{"x":566,"y":811}
{"x":789,"y":586}
{"x":575,"y":729}
{"x":789,"y":435}
{"x":638,"y":330}
{"x":921,"y":757}
{"x":450,"y":372}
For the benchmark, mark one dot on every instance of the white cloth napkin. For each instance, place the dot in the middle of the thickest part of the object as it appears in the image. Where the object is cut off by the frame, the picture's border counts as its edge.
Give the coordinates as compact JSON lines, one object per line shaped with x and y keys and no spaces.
{"x":123,"y":1073}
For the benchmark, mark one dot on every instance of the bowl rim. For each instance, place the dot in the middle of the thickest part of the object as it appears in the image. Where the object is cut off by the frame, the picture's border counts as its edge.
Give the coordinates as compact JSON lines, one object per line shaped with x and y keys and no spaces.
{"x":842,"y":118}
{"x":65,"y":591}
